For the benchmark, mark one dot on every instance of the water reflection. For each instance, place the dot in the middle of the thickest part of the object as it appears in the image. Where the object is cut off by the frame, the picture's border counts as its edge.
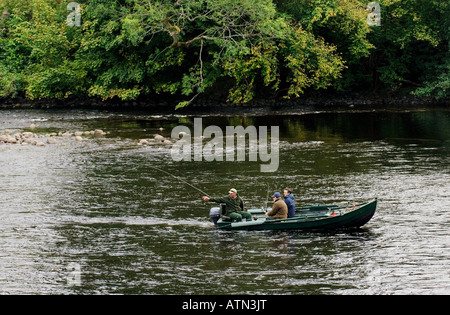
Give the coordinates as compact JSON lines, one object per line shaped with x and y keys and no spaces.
{"x":131,"y":229}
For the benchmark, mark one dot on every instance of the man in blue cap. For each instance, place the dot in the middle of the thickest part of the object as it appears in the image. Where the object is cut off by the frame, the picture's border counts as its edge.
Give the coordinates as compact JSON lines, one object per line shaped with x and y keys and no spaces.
{"x":279,"y":208}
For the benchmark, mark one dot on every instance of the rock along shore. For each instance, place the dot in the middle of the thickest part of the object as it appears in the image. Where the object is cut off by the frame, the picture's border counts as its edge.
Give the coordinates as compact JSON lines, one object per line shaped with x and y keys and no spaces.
{"x":41,"y":140}
{"x":25,"y":137}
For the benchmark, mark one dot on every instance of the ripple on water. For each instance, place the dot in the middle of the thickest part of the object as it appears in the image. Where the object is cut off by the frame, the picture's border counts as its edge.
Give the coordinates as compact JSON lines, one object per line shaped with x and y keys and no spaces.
{"x":131,"y":229}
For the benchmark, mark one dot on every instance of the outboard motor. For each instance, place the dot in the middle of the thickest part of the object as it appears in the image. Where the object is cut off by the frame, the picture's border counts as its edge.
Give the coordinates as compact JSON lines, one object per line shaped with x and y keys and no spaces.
{"x":214,"y":214}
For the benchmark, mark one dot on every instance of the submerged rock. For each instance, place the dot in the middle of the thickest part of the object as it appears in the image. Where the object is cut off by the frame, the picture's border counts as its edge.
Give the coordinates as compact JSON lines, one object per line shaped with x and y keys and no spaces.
{"x":51,"y":141}
{"x":10,"y":139}
{"x":99,"y":133}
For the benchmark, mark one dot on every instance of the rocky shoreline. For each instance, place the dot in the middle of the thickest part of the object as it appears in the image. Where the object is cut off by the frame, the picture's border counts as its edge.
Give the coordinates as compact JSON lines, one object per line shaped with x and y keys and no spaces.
{"x":28,"y":136}
{"x":24,"y":138}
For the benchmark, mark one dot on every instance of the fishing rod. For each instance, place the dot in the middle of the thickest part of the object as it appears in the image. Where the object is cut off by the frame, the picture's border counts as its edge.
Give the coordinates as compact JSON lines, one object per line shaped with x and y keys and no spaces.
{"x":180,"y":179}
{"x":267,"y":199}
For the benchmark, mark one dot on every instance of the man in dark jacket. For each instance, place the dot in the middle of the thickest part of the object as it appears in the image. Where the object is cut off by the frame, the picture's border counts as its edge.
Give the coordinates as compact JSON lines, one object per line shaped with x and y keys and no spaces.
{"x":234,"y":206}
{"x":290,"y":202}
{"x":279,"y":208}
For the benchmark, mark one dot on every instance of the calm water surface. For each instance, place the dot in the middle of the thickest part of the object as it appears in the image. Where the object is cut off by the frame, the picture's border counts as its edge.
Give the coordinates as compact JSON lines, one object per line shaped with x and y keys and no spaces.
{"x":95,"y":217}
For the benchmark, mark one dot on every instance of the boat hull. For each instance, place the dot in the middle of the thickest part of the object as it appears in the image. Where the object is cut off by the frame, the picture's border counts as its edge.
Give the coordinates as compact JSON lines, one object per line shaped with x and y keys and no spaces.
{"x":318,"y":218}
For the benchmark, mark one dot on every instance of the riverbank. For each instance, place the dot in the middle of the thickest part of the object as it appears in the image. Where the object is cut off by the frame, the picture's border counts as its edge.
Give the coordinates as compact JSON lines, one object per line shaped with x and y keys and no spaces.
{"x":207,"y":104}
{"x":168,"y":102}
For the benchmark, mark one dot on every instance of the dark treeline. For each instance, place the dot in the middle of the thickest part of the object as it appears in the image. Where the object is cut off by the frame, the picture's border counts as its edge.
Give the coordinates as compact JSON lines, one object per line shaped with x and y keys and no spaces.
{"x":239,"y":49}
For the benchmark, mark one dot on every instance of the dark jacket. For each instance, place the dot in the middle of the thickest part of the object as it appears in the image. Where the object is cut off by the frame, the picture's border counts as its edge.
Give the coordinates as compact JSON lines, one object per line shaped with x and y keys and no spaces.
{"x":290,"y":203}
{"x":279,"y":210}
{"x":232,"y":205}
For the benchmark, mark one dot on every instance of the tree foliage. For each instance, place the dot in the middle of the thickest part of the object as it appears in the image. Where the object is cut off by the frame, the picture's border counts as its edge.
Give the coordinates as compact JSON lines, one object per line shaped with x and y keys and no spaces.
{"x":128,"y":49}
{"x":413,"y":41}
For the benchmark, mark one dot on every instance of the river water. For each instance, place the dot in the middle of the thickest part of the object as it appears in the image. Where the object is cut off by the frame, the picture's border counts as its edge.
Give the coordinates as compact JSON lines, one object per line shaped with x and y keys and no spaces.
{"x":95,"y":216}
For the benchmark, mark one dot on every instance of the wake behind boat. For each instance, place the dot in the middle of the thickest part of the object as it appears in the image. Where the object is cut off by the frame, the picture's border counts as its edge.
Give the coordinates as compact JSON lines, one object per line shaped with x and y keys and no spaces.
{"x":345,"y":215}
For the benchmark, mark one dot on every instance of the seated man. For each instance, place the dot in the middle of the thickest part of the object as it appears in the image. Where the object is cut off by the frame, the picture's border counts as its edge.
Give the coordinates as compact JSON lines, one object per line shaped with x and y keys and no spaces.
{"x":290,"y":202}
{"x":279,"y":208}
{"x":234,"y":206}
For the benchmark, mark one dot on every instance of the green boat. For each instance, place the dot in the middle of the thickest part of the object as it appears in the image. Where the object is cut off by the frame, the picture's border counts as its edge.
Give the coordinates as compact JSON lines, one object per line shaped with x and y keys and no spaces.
{"x":319,"y":217}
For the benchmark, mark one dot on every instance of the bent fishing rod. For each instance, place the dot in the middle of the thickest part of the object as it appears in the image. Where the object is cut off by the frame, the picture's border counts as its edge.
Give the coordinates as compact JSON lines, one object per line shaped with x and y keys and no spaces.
{"x":180,"y":179}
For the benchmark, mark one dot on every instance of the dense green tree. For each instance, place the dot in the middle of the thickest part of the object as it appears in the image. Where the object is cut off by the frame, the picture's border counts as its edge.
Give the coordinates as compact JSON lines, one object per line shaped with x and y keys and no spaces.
{"x":188,"y":46}
{"x":35,"y":50}
{"x":436,"y":69}
{"x":412,"y":42}
{"x":409,"y":47}
{"x":342,"y":23}
{"x":126,"y":49}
